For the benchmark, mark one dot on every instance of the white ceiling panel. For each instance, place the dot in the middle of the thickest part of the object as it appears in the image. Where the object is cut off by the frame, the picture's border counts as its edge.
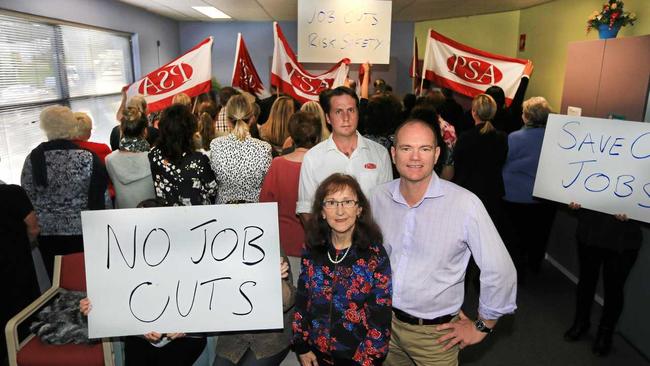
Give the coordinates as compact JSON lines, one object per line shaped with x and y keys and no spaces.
{"x":267,"y":10}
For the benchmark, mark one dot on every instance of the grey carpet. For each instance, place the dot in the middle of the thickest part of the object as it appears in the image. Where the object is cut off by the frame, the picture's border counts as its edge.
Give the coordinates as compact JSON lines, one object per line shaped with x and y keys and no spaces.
{"x":534,"y":334}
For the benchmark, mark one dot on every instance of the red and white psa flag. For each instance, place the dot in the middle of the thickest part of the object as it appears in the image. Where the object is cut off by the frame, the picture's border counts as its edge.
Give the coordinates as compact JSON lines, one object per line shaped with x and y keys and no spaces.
{"x":244,"y":74}
{"x":290,"y":77}
{"x":190,"y":73}
{"x":468,"y":70}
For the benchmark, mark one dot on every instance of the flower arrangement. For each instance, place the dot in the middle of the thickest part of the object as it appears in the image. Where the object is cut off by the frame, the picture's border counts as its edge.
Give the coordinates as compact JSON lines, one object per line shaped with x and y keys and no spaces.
{"x":611,"y":15}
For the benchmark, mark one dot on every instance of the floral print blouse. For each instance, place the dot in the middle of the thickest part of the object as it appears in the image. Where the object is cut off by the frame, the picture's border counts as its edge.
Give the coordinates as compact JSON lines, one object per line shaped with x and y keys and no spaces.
{"x":344,"y":310}
{"x":189,"y":182}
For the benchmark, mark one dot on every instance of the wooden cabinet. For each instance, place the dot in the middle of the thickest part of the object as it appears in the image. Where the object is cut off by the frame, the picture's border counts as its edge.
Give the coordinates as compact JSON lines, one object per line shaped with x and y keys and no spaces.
{"x":608,"y":77}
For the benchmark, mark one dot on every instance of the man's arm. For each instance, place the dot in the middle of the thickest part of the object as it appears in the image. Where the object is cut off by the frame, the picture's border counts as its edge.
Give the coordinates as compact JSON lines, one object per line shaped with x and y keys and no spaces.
{"x":306,"y":189}
{"x":498,"y":278}
{"x":366,"y":80}
{"x":120,"y":110}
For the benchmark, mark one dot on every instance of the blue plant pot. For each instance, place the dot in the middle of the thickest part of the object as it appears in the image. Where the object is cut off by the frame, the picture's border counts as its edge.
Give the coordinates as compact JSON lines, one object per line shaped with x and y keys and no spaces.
{"x":604,"y":32}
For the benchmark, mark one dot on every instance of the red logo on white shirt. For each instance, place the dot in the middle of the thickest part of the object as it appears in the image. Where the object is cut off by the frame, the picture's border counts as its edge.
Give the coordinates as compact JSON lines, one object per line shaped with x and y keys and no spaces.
{"x":370,"y":166}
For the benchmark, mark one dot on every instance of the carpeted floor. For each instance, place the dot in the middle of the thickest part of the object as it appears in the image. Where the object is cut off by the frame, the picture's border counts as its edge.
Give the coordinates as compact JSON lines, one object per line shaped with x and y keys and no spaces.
{"x":534,"y":334}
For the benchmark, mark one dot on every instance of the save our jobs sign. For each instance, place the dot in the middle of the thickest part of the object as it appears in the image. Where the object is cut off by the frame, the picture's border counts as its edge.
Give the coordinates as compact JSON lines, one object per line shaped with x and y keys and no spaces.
{"x":183,"y":269}
{"x":602,"y":164}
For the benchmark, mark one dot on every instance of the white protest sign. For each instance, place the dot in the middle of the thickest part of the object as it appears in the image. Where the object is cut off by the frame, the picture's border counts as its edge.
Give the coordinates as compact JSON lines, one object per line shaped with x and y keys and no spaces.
{"x":602,"y":164}
{"x":183,"y":269}
{"x":329,"y":30}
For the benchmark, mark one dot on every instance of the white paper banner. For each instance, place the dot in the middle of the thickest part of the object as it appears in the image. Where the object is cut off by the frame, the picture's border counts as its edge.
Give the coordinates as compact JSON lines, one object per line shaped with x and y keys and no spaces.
{"x":329,"y":30}
{"x":183,"y":269}
{"x":602,"y":164}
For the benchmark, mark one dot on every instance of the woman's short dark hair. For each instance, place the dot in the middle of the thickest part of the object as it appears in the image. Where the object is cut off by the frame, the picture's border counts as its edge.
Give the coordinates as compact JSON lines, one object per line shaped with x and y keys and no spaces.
{"x":366,"y":231}
{"x":177,"y":126}
{"x":305,"y":129}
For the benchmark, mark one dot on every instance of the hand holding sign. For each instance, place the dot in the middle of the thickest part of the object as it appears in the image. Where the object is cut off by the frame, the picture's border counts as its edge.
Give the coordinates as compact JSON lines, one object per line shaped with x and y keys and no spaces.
{"x":603,"y":164}
{"x":190,"y":269}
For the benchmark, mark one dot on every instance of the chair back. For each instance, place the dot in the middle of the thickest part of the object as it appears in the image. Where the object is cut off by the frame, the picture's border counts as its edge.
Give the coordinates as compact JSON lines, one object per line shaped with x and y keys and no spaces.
{"x":73,"y":272}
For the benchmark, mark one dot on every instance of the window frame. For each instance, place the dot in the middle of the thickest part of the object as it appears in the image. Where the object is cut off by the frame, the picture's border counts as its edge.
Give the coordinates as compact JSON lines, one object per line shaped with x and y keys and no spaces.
{"x":61,"y":72}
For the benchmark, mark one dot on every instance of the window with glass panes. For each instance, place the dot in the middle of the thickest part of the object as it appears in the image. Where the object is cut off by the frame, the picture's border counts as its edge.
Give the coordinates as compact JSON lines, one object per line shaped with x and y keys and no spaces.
{"x":43,"y":63}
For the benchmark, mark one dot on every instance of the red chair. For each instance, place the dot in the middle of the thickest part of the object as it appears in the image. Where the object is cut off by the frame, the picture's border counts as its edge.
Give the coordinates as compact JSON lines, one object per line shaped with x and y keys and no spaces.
{"x":69,"y":274}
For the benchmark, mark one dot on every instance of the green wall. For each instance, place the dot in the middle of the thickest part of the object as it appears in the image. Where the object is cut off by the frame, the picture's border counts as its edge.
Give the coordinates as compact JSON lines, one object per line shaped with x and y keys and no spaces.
{"x":496,"y":33}
{"x":550,"y":27}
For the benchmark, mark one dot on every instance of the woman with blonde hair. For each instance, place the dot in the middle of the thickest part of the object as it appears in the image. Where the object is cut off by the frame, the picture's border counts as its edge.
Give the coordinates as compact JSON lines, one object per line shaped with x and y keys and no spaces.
{"x":314,"y":107}
{"x":479,"y":157}
{"x":276,"y":129}
{"x":136,"y":103}
{"x":239,"y":161}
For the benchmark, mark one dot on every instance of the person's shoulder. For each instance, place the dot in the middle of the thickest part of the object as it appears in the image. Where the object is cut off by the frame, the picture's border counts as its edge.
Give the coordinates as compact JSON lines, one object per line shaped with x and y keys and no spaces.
{"x":315,"y":152}
{"x":262,"y":144}
{"x":377,"y":250}
{"x":459,"y":195}
{"x":12,"y":190}
{"x":114,"y":155}
{"x":375,"y":146}
{"x":384,"y":190}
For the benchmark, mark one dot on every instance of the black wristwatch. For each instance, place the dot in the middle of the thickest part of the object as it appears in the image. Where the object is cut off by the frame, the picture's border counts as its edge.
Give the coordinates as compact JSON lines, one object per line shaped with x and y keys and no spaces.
{"x":480,"y":325}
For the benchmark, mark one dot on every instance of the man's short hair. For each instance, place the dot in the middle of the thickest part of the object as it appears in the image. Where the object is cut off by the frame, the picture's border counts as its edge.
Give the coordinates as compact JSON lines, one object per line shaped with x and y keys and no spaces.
{"x":435,"y":128}
{"x":337,"y":92}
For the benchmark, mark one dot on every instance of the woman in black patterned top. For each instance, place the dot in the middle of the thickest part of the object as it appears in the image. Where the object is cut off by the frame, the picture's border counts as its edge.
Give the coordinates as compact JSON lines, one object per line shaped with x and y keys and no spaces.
{"x":182,"y":176}
{"x":239,"y":161}
{"x":61,"y":180}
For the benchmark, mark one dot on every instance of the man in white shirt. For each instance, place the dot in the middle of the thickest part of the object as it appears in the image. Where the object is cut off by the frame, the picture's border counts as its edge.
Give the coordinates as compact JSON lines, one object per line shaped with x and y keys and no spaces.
{"x":345,"y":151}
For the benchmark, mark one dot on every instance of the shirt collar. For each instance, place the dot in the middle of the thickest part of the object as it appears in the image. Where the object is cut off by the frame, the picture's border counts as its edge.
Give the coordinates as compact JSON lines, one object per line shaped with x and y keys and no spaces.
{"x":434,"y":189}
{"x":361,"y":142}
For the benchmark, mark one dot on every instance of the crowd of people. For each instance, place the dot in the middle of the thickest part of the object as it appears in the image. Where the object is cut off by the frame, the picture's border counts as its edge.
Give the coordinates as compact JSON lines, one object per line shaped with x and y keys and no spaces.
{"x":373,"y":267}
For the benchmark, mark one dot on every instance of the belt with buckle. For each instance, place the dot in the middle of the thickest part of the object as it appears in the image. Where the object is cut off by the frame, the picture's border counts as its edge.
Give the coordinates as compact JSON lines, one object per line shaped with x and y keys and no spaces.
{"x":410,"y":319}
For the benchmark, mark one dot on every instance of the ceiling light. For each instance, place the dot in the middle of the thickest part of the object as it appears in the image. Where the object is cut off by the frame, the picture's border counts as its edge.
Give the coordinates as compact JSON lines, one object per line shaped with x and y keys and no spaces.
{"x":212,"y":12}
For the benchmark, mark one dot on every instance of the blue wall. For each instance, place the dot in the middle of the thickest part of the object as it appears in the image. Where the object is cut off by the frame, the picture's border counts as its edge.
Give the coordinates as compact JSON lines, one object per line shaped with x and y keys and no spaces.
{"x":259,"y":40}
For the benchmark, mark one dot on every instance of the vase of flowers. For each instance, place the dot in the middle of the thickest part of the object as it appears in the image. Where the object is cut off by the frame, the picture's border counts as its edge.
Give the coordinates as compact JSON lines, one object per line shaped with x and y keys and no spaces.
{"x":610,"y":19}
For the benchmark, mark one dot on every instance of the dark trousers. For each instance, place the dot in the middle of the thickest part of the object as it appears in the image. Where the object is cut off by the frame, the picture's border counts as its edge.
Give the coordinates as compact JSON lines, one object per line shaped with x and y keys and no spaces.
{"x":616,"y":267}
{"x":531,"y":224}
{"x":53,"y":245}
{"x":249,"y":359}
{"x":179,"y":352}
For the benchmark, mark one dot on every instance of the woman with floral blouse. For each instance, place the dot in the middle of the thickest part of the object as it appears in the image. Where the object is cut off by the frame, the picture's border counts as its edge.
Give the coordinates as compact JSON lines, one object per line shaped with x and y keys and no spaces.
{"x":181,"y":176}
{"x":343,"y":300}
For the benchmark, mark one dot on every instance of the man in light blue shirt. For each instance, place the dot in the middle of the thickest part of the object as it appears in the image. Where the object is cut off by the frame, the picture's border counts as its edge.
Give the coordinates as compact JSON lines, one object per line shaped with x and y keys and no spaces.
{"x":431,"y":228}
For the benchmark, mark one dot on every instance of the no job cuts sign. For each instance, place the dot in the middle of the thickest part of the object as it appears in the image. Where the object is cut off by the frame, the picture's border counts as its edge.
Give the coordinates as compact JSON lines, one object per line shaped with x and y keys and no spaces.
{"x":602,"y":164}
{"x":183,"y":269}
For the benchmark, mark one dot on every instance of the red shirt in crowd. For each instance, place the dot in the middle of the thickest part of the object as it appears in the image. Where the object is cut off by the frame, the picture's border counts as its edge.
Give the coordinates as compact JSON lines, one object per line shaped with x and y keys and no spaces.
{"x":281,"y":185}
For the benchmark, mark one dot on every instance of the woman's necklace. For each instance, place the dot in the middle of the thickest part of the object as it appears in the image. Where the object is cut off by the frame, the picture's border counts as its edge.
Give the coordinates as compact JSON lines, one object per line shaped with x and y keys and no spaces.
{"x":337,"y":260}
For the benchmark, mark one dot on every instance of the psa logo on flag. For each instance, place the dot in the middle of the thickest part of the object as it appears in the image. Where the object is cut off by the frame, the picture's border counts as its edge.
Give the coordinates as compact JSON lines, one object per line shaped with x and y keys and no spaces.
{"x":312,"y":86}
{"x":166,"y":79}
{"x":474,"y":70}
